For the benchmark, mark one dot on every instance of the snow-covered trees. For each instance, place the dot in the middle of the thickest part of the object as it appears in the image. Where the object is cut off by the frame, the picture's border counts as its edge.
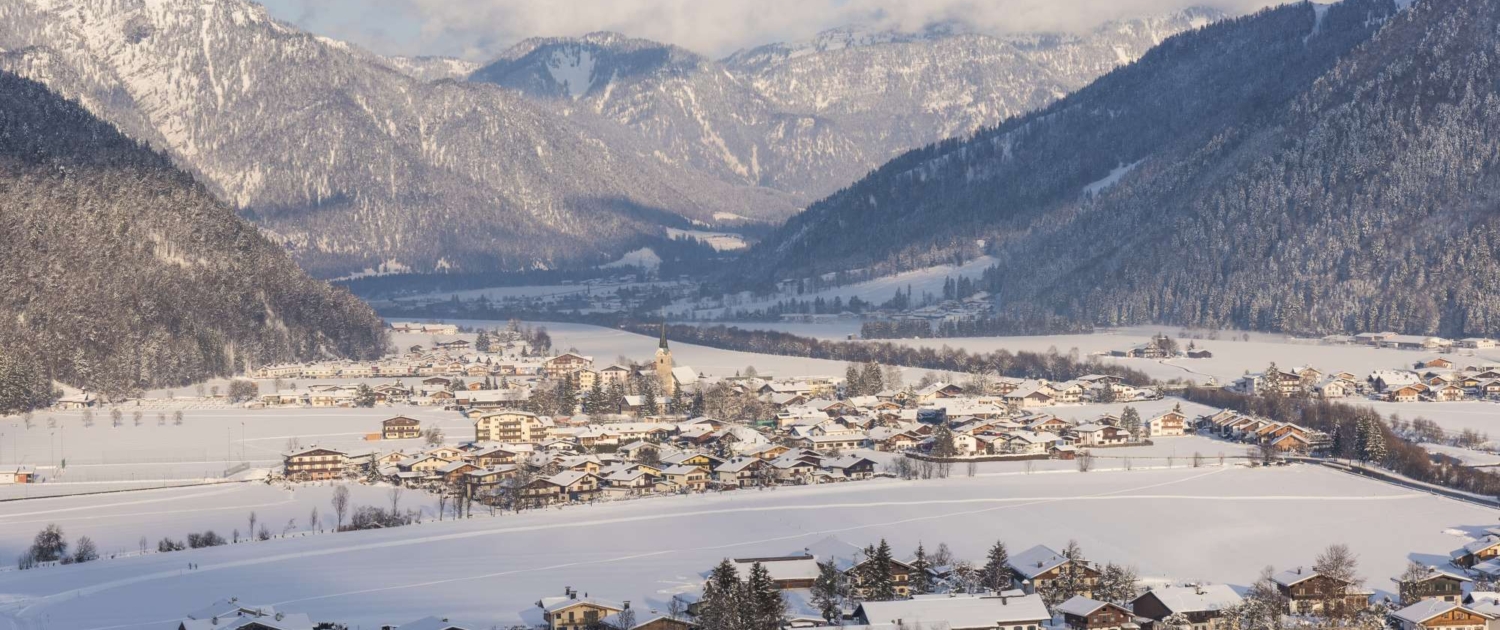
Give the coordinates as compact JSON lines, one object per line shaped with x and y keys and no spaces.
{"x":996,"y":574}
{"x":876,"y":579}
{"x":829,"y":591}
{"x":1072,"y":577}
{"x":920,"y":580}
{"x":730,"y":603}
{"x":1117,"y":583}
{"x":1130,"y":421}
{"x":193,"y":290}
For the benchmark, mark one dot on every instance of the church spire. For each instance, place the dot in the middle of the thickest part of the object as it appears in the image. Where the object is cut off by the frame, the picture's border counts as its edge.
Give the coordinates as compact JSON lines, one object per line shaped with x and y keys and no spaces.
{"x":663,"y":344}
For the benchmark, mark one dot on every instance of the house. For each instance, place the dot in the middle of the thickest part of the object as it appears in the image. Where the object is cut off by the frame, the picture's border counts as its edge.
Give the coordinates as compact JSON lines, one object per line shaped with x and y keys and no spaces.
{"x":513,"y":426}
{"x":685,"y":477}
{"x":1333,"y":388}
{"x":1082,"y":613}
{"x":1039,"y":566}
{"x":959,"y":612}
{"x":1435,"y":614}
{"x":81,"y":400}
{"x":833,"y":443}
{"x":1406,"y":393}
{"x":1169,"y":424}
{"x":1437,"y":584}
{"x":315,"y":464}
{"x":17,"y":474}
{"x":1202,"y":604}
{"x":644,"y":620}
{"x":565,"y":364}
{"x":788,"y":572}
{"x":573,"y":613}
{"x":1309,"y":592}
{"x":1100,"y":435}
{"x":400,"y":428}
{"x":851,"y":466}
{"x":568,"y":485}
{"x":1486,"y":548}
{"x":740,"y":472}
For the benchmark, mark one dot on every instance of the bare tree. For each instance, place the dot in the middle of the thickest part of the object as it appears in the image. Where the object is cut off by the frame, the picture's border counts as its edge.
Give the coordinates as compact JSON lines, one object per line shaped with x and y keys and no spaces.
{"x":1197,"y":459}
{"x":252,"y":523}
{"x":177,"y":418}
{"x":340,"y":504}
{"x":394,"y":494}
{"x":972,"y":467}
{"x":312,"y":519}
{"x":1085,"y":461}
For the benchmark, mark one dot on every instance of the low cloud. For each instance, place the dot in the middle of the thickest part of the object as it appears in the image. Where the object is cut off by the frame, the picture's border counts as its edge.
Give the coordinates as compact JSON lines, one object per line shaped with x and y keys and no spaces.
{"x":481,"y":29}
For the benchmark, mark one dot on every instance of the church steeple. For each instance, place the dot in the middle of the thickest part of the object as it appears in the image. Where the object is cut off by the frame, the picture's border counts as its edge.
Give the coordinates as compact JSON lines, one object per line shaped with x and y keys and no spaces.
{"x":664,"y":364}
{"x":663,"y":344}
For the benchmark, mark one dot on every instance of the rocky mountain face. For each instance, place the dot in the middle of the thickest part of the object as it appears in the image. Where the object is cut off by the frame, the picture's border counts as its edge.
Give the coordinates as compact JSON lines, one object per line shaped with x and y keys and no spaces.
{"x":119,"y":272}
{"x":354,"y":161}
{"x":808,"y":118}
{"x":1308,"y":169}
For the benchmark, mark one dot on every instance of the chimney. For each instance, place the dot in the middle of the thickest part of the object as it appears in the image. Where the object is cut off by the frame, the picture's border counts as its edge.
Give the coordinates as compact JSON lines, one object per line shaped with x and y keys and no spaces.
{"x":1198,"y":588}
{"x":627,"y":604}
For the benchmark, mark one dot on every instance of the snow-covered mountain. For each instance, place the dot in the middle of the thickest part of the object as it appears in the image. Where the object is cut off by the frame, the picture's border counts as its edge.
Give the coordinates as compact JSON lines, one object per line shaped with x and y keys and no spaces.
{"x":808,"y":118}
{"x":589,"y":148}
{"x":349,"y":161}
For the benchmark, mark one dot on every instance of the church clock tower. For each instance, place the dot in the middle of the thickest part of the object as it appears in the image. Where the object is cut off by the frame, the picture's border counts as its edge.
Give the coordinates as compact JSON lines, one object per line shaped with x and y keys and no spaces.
{"x":664,"y":364}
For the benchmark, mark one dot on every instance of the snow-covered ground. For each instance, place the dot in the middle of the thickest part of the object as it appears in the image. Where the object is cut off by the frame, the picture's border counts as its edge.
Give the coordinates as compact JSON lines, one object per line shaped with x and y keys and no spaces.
{"x":1216,"y":524}
{"x":207,"y":444}
{"x":877,"y":291}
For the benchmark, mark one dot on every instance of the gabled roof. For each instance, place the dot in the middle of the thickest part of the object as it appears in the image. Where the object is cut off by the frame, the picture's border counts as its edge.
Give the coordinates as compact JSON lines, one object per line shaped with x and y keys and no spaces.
{"x":1192,"y":599}
{"x":431,"y":623}
{"x":592,"y":601}
{"x":1036,"y":561}
{"x":1427,"y":609}
{"x":1294,"y":576}
{"x":1080,"y":606}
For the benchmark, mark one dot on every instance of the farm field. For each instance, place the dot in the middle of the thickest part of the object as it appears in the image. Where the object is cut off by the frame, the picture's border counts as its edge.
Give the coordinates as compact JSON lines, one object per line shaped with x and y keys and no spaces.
{"x":1215,"y":524}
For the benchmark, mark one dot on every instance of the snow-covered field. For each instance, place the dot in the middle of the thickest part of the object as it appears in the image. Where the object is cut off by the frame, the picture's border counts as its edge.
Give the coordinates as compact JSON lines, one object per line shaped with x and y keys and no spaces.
{"x":877,"y":291}
{"x":1183,"y":524}
{"x":209,"y":442}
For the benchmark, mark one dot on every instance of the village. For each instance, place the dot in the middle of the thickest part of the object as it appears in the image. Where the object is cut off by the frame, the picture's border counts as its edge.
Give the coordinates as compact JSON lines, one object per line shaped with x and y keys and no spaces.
{"x":836,"y":583}
{"x":498,"y":421}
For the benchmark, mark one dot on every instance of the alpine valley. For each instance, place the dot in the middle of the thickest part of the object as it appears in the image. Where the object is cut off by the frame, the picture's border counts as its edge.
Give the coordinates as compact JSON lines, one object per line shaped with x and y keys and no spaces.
{"x":587,"y":148}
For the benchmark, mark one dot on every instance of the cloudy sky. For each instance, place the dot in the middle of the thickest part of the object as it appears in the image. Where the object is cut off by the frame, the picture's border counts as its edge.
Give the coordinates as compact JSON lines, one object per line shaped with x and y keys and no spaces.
{"x":479,"y":29}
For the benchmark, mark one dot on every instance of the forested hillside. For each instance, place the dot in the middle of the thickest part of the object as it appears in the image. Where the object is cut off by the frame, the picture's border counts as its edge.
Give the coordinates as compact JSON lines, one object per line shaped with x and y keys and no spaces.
{"x":1306,"y":169}
{"x":118,"y":272}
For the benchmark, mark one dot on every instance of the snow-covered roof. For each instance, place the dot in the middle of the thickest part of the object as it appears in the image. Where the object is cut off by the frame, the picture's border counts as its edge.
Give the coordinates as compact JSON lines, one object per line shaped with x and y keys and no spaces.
{"x":431,"y":623}
{"x":1294,"y":576}
{"x":1036,"y":561}
{"x":1080,"y":606}
{"x":1191,"y":599}
{"x":958,"y":611}
{"x":1424,"y":610}
{"x":785,"y":568}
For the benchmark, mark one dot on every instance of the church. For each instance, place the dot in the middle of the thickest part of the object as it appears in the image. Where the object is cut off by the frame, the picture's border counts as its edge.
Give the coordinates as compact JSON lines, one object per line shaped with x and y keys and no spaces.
{"x":668,"y":377}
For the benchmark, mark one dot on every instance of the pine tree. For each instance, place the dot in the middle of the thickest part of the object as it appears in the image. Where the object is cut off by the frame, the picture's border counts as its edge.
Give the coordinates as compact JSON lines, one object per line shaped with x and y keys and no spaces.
{"x":871,"y":379}
{"x":761,"y":603}
{"x":853,"y":381}
{"x":595,"y":403}
{"x":720,"y":607}
{"x":921,"y":578}
{"x":942,"y":442}
{"x":879,"y":584}
{"x":1130,"y":420}
{"x":828,"y":591}
{"x":996,"y":573}
{"x":364,"y":396}
{"x":482,"y":342}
